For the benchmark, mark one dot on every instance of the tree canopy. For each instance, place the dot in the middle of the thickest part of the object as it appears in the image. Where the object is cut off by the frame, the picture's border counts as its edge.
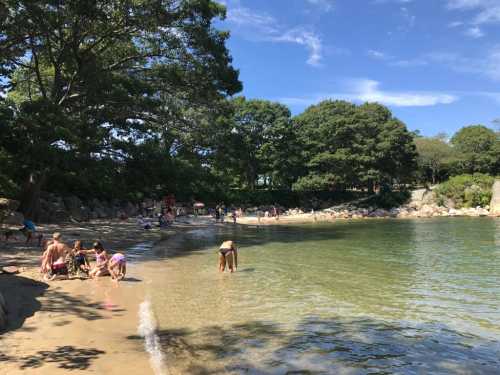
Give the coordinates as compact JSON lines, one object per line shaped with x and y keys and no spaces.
{"x":347,"y":146}
{"x":86,"y":80}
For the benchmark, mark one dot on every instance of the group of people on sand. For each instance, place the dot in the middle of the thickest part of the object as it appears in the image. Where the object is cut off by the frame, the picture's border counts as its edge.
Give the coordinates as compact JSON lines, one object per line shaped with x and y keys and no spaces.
{"x":60,"y":260}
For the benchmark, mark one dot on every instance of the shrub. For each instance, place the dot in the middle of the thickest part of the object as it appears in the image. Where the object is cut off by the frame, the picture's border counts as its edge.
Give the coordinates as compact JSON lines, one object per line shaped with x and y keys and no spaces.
{"x":466,"y":190}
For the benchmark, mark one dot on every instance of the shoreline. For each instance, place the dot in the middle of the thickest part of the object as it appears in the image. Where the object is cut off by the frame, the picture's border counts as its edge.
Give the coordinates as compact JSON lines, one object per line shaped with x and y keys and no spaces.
{"x":92,"y":325}
{"x":78,"y":324}
{"x":326,"y":218}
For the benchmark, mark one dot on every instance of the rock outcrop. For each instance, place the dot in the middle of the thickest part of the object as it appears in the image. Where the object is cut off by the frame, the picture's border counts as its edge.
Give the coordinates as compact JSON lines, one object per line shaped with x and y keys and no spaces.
{"x":8,"y":214}
{"x":495,"y":199}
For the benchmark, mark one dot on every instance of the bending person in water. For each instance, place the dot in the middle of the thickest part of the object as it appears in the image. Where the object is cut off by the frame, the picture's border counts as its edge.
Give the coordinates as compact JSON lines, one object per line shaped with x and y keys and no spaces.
{"x":228,"y":255}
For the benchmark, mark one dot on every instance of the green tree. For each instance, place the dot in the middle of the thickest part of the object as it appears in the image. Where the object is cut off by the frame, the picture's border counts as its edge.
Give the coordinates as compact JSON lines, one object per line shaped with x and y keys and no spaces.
{"x":349,"y":146}
{"x":477,"y":149}
{"x":81,"y":76}
{"x":434,"y":158}
{"x":255,"y":145}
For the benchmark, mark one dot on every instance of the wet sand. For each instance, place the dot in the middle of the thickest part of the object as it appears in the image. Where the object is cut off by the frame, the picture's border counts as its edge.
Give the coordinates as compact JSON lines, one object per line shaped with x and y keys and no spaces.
{"x":73,"y":325}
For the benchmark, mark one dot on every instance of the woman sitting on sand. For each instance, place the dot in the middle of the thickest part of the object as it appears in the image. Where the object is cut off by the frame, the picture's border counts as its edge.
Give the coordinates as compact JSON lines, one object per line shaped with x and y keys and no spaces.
{"x":117,"y":266}
{"x":101,"y":259}
{"x":228,"y":255}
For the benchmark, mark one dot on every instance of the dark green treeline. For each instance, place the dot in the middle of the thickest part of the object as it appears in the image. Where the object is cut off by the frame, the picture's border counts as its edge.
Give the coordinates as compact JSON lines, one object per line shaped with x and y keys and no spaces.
{"x":133,"y":99}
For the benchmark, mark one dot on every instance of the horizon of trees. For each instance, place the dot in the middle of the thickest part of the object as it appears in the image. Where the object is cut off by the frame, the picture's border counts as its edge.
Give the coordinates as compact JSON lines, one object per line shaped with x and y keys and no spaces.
{"x":127,"y":100}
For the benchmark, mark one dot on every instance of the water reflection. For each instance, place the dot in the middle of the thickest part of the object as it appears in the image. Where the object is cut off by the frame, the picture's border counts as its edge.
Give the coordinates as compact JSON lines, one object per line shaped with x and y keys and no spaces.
{"x":328,"y":346}
{"x":388,"y":296}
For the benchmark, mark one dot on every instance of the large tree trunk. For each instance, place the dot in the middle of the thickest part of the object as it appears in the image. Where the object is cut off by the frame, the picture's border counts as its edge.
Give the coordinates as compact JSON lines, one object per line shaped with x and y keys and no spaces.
{"x":30,"y":198}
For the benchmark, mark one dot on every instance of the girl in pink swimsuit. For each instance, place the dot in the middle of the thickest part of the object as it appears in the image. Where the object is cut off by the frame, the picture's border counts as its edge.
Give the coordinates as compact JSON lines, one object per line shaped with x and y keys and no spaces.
{"x":117,"y":266}
{"x":101,"y":259}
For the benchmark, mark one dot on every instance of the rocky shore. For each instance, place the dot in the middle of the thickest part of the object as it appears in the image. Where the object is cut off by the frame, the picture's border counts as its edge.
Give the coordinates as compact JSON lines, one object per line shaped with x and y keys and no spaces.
{"x":422,"y":204}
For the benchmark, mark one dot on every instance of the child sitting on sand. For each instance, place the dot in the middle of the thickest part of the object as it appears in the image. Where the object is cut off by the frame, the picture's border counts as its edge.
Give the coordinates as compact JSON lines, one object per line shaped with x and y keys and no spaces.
{"x":117,"y":266}
{"x":79,"y":258}
{"x":101,"y":259}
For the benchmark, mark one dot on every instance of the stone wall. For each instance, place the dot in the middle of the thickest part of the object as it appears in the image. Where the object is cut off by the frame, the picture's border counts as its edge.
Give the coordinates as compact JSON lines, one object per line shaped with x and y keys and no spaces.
{"x":56,"y":209}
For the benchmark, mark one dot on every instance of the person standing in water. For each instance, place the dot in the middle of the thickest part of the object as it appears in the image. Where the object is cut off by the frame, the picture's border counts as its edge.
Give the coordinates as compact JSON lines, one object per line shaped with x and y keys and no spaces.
{"x":228,"y":255}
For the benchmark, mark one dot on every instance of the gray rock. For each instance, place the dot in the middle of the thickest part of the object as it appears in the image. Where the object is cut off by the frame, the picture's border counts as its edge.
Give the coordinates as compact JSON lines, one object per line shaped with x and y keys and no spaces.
{"x":14,"y":218}
{"x":495,"y":199}
{"x":8,"y":204}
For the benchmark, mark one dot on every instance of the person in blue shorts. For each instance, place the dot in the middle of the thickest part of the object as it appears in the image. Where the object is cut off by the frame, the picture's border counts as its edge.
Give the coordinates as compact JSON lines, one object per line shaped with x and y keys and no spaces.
{"x":29,"y":230}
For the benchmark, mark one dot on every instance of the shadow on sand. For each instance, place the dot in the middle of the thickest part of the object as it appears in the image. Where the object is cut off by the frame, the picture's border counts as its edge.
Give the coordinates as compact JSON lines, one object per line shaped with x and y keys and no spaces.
{"x":21,"y":295}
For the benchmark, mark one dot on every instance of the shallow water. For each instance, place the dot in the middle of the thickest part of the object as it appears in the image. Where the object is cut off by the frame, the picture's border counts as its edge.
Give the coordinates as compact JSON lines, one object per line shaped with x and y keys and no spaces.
{"x":359,"y":297}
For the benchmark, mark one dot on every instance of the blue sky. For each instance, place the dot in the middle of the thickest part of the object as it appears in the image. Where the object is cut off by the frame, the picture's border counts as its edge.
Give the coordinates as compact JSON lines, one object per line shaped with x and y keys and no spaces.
{"x":435,"y":63}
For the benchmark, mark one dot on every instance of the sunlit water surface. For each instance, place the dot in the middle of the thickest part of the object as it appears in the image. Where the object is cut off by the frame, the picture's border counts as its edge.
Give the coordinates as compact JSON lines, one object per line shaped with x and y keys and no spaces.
{"x":359,"y":297}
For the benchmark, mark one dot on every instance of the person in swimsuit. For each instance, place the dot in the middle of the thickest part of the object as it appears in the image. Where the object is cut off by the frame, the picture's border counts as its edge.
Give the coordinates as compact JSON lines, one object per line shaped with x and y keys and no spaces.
{"x":53,"y":259}
{"x":79,"y":258}
{"x":101,"y":259}
{"x":228,"y":255}
{"x":117,"y":266}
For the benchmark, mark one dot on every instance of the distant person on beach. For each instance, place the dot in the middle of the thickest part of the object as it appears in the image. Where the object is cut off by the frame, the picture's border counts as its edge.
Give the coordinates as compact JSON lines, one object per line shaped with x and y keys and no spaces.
{"x":117,"y":266}
{"x":234,"y":215}
{"x":29,"y":231}
{"x":144,"y":222}
{"x":228,"y":256}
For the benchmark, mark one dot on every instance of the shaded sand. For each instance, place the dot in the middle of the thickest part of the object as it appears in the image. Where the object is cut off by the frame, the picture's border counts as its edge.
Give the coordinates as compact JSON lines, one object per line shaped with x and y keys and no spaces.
{"x":73,"y":325}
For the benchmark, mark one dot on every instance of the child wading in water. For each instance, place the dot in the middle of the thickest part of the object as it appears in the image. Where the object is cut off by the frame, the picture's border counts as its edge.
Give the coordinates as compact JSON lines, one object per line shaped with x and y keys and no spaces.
{"x":117,"y":266}
{"x":228,"y":255}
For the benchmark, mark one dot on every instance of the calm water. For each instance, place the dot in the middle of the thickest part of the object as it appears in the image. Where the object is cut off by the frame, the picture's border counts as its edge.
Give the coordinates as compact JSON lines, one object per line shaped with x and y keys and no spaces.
{"x":363,"y":297}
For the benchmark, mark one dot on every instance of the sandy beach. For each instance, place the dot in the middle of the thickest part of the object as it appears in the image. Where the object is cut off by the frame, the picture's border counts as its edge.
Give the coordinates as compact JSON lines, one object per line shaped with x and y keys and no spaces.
{"x":79,"y":325}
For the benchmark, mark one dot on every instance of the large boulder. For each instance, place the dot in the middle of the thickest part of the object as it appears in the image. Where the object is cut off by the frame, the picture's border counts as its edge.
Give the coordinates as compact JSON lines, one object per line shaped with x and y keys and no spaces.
{"x":421,"y":197}
{"x":13,"y":218}
{"x":7,"y":207}
{"x":75,"y":208}
{"x":495,"y":199}
{"x":8,"y":204}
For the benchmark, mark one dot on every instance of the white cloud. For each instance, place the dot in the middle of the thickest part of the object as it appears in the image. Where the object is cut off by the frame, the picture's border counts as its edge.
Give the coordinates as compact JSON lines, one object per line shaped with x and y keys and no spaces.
{"x":324,"y":5}
{"x":306,"y":38}
{"x":474,"y":32}
{"x":260,"y":26}
{"x":487,"y":65}
{"x":377,"y":55}
{"x":367,"y":90}
{"x":488,"y":11}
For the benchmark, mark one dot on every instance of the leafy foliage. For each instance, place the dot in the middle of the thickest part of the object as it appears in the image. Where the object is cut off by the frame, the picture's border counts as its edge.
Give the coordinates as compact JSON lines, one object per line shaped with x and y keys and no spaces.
{"x":466,"y":190}
{"x":349,"y":146}
{"x":435,"y":158}
{"x":477,"y":149}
